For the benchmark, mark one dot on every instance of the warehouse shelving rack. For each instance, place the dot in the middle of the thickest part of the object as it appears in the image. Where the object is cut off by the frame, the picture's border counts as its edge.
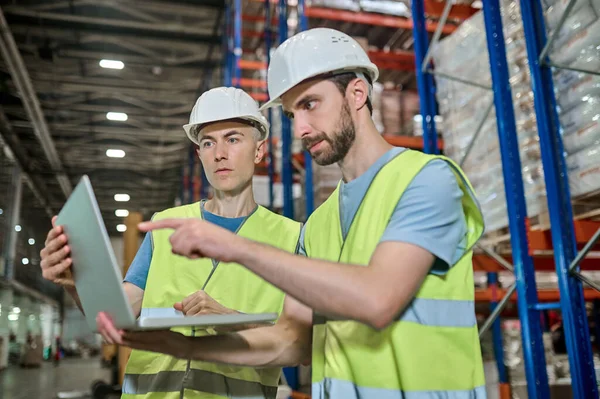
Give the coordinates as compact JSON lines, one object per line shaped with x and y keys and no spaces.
{"x":275,"y":30}
{"x":565,"y":236}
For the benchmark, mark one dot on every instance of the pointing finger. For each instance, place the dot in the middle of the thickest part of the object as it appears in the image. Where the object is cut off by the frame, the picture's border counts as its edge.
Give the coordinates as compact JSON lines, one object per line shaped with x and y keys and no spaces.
{"x":161,"y":224}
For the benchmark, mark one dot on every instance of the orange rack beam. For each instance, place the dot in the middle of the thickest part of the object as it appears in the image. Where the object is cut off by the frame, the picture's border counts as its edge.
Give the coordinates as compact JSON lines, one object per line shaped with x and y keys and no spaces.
{"x":398,"y":61}
{"x":252,"y":83}
{"x":541,"y":263}
{"x":259,"y":96}
{"x":460,"y":12}
{"x":485,"y":295}
{"x":413,"y":142}
{"x":540,"y":240}
{"x":252,"y":65}
{"x":367,"y":18}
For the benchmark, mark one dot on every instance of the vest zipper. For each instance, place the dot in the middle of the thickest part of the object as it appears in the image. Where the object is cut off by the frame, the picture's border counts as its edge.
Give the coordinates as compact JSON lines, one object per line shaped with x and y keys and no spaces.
{"x":187,"y":371}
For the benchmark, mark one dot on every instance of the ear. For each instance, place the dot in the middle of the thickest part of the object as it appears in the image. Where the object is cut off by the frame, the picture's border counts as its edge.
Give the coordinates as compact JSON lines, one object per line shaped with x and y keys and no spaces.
{"x":358,"y":91}
{"x":198,"y":151}
{"x":261,"y":150}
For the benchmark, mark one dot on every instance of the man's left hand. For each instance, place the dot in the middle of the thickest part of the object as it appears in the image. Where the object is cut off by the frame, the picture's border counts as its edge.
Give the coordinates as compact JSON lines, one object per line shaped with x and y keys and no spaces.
{"x":201,"y":303}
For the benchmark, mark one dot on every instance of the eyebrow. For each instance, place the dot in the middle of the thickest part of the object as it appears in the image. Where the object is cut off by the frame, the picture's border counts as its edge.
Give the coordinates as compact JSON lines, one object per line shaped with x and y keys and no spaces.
{"x":226,"y":135}
{"x":300,"y":103}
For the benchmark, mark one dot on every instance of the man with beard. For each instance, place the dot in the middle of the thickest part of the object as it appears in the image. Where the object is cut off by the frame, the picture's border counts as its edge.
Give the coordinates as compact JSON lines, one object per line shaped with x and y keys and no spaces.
{"x":389,"y":269}
{"x":230,"y":132}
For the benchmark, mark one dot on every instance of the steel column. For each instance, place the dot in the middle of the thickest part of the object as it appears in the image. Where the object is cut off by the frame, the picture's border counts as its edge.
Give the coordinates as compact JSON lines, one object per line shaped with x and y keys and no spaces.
{"x":531,"y":332}
{"x":286,"y":131}
{"x":227,"y":79}
{"x":424,"y":80}
{"x":271,"y":157}
{"x":237,"y":41}
{"x":205,"y":184}
{"x":308,"y":163}
{"x":497,"y":332}
{"x":583,"y":378}
{"x":190,"y":176}
{"x":596,"y":316}
{"x":14,"y":214}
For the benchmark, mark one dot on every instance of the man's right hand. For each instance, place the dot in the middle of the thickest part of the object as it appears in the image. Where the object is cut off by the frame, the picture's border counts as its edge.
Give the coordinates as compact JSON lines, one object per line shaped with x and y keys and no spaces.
{"x":56,"y":259}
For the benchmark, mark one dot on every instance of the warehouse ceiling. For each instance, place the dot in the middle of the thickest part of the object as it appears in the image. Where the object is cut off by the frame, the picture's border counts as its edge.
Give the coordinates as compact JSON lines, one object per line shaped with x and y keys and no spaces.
{"x":169,"y":50}
{"x":56,"y":94}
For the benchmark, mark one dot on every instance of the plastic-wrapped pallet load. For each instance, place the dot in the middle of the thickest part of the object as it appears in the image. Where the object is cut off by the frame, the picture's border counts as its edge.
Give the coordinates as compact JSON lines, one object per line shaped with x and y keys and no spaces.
{"x":578,"y":93}
{"x":463,"y":109}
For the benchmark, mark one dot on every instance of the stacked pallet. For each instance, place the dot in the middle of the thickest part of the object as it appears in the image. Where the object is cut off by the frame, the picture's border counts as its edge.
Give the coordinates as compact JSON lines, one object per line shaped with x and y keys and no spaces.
{"x":578,"y":93}
{"x":464,"y":108}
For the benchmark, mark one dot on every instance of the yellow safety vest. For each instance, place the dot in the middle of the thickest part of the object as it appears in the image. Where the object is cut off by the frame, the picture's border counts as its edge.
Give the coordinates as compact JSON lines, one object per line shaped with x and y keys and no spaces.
{"x":171,"y":278}
{"x":432,"y":350}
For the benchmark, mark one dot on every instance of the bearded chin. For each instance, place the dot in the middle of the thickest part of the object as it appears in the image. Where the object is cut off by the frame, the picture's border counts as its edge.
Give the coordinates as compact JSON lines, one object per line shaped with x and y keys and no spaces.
{"x":341,"y":141}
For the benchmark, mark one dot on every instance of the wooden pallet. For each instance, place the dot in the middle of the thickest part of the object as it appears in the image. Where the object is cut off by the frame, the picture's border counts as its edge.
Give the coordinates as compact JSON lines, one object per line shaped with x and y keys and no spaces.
{"x":585,"y":207}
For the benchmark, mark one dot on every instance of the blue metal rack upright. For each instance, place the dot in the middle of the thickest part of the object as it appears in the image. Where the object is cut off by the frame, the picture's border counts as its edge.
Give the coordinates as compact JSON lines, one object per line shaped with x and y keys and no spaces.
{"x":559,"y":203}
{"x":286,"y":129}
{"x":308,"y":165}
{"x":583,"y":377}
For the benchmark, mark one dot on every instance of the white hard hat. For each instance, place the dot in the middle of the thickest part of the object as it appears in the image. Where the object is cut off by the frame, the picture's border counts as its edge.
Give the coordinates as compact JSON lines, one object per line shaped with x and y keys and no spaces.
{"x":224,"y":103}
{"x":311,"y":53}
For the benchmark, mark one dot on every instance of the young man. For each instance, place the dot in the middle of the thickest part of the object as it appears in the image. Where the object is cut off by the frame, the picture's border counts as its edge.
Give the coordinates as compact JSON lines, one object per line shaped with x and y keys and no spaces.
{"x":230,"y":131}
{"x":389,"y":270}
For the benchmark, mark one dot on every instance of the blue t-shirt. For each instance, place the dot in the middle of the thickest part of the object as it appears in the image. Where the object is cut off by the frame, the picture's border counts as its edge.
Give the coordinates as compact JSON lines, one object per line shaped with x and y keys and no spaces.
{"x":429,"y":214}
{"x":137,"y":274}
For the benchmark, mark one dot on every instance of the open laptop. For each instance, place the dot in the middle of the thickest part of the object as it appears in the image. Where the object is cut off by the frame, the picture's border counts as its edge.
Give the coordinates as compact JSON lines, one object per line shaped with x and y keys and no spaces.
{"x":98,"y":277}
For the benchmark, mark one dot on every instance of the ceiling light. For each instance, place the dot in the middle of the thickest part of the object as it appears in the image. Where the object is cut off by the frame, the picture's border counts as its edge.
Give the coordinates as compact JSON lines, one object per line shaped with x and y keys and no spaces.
{"x":116,"y":116}
{"x":1,"y":211}
{"x":112,"y":153}
{"x":18,"y":227}
{"x":16,"y":310}
{"x":122,"y":197}
{"x":25,"y":261}
{"x":122,"y":213}
{"x":13,"y":317}
{"x":112,"y":64}
{"x":121,"y":228}
{"x":31,"y":241}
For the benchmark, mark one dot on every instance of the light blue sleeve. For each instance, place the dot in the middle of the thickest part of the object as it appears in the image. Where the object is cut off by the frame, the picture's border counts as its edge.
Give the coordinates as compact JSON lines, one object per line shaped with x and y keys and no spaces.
{"x":301,"y":249}
{"x":137,"y":274}
{"x":430,"y":215}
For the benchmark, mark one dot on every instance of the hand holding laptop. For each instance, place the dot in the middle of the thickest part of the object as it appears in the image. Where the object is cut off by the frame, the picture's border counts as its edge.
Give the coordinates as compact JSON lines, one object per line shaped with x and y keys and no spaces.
{"x":56,"y":257}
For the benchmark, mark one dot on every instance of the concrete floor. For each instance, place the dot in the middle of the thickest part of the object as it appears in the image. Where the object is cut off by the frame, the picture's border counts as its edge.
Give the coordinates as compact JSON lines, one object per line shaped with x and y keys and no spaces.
{"x":47,"y":381}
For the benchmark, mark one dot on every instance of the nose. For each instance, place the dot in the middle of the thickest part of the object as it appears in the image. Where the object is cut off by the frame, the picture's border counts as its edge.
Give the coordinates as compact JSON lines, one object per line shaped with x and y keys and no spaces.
{"x":220,"y":151}
{"x":301,"y":127}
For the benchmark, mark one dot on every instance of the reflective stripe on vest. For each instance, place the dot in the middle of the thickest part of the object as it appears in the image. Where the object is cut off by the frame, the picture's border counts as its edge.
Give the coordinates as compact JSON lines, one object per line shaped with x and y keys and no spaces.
{"x":198,"y":380}
{"x":346,"y":389}
{"x":172,"y":278}
{"x":433,"y":346}
{"x":431,"y":312}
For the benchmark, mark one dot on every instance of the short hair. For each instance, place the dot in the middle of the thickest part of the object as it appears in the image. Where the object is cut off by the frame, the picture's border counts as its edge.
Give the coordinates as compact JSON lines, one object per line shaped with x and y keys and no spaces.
{"x":342,"y":80}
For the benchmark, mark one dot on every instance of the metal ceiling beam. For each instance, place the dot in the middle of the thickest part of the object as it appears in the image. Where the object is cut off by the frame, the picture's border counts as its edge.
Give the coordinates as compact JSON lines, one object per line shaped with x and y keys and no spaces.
{"x":181,"y":85}
{"x":157,"y":96}
{"x":177,"y":9}
{"x":170,"y":7}
{"x":17,"y":154}
{"x":126,"y":144}
{"x":173,"y":28}
{"x":64,"y":130}
{"x":139,"y":111}
{"x":66,"y":34}
{"x":20,"y":77}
